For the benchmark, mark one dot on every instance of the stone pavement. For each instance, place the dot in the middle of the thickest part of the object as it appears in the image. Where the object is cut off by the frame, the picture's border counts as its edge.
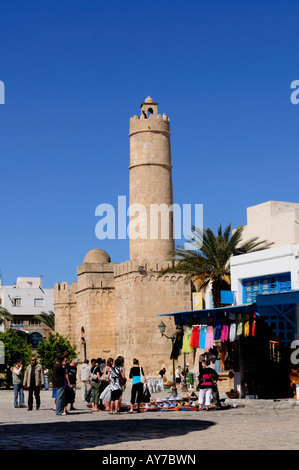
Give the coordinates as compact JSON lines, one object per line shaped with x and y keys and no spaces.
{"x":260,"y":424}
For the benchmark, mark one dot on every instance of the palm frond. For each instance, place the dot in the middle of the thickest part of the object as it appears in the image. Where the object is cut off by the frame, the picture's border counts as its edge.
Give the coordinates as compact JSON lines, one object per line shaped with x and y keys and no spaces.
{"x":48,"y":318}
{"x":5,"y":314}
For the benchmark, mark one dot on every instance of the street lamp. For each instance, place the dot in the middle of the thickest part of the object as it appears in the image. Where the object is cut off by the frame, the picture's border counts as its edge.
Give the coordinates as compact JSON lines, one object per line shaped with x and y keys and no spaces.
{"x":162,"y":328}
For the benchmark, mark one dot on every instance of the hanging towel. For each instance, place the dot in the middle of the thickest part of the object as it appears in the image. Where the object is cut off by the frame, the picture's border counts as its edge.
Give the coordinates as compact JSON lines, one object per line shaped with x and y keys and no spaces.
{"x":209,"y":338}
{"x":232,"y":332}
{"x":194,"y":339}
{"x":202,"y":337}
{"x":224,"y":333}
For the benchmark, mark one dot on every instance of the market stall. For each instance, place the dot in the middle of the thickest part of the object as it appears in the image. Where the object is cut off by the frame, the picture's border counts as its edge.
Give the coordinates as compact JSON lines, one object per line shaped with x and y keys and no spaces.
{"x":245,"y":347}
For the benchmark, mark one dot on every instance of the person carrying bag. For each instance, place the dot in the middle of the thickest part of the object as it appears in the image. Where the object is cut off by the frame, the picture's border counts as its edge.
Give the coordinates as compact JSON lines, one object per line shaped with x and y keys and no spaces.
{"x":138,"y":383}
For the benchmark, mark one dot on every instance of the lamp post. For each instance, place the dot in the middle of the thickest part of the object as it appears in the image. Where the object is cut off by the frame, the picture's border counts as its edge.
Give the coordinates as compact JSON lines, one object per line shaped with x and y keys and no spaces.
{"x":162,"y":328}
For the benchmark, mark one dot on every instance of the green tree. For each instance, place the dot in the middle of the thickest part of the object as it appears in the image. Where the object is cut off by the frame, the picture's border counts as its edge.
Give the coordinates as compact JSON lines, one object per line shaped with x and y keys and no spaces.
{"x":47,"y":318}
{"x":209,"y":260}
{"x":48,"y":350}
{"x":15,"y":347}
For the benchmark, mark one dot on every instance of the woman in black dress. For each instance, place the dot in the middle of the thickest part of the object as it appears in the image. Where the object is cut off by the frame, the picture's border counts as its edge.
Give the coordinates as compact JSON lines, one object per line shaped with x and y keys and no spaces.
{"x":138,"y":379}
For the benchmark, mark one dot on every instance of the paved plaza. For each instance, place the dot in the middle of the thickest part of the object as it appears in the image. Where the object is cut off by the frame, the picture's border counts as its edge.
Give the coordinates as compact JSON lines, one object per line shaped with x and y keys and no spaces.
{"x":259,"y":424}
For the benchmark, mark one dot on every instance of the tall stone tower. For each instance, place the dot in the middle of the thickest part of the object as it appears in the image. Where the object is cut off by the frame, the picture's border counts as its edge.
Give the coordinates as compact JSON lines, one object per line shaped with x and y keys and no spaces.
{"x":151,"y":195}
{"x":140,"y":291}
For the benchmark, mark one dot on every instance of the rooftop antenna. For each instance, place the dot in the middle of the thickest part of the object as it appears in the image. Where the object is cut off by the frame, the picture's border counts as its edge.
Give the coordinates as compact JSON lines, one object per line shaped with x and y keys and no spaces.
{"x":41,"y":276}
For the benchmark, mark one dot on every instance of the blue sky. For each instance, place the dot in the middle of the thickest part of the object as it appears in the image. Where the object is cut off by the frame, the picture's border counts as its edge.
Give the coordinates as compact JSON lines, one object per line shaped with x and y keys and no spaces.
{"x":74,"y":74}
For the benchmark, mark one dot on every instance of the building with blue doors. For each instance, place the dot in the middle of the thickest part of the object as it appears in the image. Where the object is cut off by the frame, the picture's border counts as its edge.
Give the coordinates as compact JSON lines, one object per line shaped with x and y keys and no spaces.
{"x":270,"y":278}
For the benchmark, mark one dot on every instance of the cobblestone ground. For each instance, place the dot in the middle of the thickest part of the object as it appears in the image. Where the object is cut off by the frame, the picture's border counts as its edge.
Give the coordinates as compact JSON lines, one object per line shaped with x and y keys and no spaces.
{"x":260,"y":424}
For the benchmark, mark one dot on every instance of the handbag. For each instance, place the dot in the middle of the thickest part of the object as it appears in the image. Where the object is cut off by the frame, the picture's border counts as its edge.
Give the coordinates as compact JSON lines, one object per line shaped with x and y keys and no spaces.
{"x":142,"y":378}
{"x":122,"y":380}
{"x":94,"y":376}
{"x":104,"y":377}
{"x":146,"y":394}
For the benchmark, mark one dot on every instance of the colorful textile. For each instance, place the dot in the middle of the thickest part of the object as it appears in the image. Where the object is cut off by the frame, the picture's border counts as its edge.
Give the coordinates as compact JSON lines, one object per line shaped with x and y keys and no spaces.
{"x":240,"y":328}
{"x":224,"y":333}
{"x":194,"y":339}
{"x":232,"y":332}
{"x":209,"y":338}
{"x":186,"y":343}
{"x":246,"y":328}
{"x":253,"y":325}
{"x":218,"y":332}
{"x":202,"y":337}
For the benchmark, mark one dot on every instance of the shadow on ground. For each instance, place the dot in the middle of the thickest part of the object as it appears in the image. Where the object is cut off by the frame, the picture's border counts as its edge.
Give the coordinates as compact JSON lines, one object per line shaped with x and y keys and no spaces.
{"x":76,"y":435}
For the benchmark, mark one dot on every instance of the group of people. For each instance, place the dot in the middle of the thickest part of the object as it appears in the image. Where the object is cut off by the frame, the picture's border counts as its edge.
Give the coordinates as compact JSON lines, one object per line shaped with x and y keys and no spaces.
{"x":33,"y":380}
{"x":64,"y":384}
{"x":106,"y":382}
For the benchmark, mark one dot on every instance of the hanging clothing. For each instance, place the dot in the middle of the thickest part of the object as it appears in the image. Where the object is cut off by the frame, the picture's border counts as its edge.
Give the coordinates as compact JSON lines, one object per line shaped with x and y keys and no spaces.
{"x":253,"y":328}
{"x":209,"y":338}
{"x":246,"y":328}
{"x":232,"y":332}
{"x":240,"y":328}
{"x":194,"y":339}
{"x":217,"y":365}
{"x":177,"y":345}
{"x":224,"y":333}
{"x":223,"y":353}
{"x":218,"y":332}
{"x":202,"y":336}
{"x":186,"y":348}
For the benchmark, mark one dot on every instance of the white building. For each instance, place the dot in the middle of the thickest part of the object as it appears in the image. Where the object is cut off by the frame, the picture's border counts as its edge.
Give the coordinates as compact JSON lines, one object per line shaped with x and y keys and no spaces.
{"x":271,"y":277}
{"x":24,"y":300}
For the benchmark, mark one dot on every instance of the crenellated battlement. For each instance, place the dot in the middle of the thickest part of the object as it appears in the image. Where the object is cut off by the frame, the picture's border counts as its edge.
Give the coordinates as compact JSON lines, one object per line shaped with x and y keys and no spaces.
{"x":142,"y":266}
{"x":150,"y":117}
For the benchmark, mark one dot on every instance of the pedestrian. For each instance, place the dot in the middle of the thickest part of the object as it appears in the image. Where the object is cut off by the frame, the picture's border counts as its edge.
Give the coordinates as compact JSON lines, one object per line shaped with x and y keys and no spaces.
{"x":95,"y":375}
{"x":215,"y":391}
{"x":64,"y":357}
{"x":178,"y":376}
{"x":185,"y":373}
{"x":71,"y":379}
{"x":162,"y":372}
{"x":102,"y":365}
{"x":46,"y":375}
{"x":104,"y":382}
{"x":118,"y":380}
{"x":84,"y":376}
{"x":17,"y":381}
{"x":59,"y":385}
{"x":138,"y":379}
{"x":207,"y":379}
{"x":33,"y":381}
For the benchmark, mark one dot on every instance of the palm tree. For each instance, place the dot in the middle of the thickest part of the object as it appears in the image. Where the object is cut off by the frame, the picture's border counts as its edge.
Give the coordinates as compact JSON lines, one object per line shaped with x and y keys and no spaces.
{"x":47,"y":318}
{"x":5,"y":315}
{"x":209,"y":260}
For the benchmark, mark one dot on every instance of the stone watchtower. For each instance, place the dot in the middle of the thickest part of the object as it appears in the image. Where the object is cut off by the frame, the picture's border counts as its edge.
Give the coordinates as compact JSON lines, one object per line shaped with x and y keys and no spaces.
{"x":151,"y":195}
{"x":140,"y":292}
